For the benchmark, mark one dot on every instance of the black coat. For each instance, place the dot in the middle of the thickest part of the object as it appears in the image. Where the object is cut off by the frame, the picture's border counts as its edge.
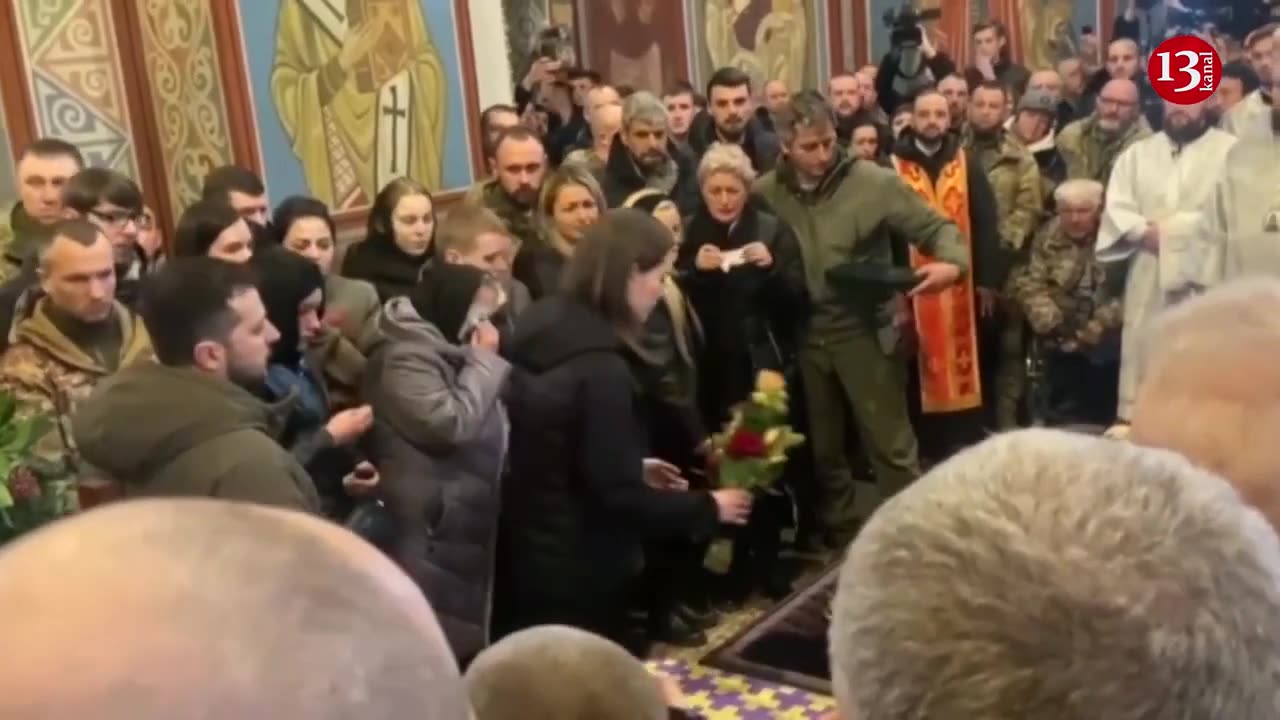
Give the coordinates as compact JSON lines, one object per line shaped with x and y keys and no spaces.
{"x":750,"y":316}
{"x":575,"y":508}
{"x":758,"y":142}
{"x":622,"y":178}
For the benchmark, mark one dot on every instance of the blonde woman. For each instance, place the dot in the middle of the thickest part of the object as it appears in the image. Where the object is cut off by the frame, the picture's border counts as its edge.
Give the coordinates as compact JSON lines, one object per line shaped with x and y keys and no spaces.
{"x":742,"y":272}
{"x":570,"y":202}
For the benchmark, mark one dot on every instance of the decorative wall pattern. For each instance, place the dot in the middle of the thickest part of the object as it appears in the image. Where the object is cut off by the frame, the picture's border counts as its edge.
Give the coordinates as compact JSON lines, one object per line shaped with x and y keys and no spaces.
{"x":77,"y":88}
{"x":186,"y":93}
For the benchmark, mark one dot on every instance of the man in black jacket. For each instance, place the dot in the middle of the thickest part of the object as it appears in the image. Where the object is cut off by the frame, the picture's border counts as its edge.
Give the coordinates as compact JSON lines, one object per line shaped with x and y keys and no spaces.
{"x":730,"y":118}
{"x":644,"y":156}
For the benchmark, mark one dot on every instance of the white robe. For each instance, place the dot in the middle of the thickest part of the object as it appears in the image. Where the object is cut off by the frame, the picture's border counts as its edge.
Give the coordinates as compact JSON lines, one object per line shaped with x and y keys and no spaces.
{"x":1242,"y":220}
{"x":1155,"y":182}
{"x":1252,"y":116}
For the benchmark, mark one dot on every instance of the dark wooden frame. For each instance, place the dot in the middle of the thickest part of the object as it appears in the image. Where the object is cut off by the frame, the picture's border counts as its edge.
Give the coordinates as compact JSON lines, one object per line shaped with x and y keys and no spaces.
{"x":233,"y":64}
{"x":15,"y":91}
{"x":582,"y":19}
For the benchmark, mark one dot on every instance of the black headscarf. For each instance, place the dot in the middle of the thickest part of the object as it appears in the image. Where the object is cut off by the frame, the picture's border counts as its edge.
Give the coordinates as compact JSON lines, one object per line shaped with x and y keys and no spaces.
{"x":444,"y":294}
{"x":284,"y":280}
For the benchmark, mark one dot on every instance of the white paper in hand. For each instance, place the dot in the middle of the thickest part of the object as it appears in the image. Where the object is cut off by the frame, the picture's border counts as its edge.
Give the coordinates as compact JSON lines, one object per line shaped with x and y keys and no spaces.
{"x":730,"y":259}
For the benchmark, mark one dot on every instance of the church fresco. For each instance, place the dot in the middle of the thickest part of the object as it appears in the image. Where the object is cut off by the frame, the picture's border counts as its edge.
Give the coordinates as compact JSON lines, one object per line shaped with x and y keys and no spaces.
{"x":350,"y":94}
{"x":767,"y":39}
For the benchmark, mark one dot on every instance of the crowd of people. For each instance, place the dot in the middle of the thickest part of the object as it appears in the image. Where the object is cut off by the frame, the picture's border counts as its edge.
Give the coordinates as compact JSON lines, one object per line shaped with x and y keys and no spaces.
{"x":512,"y":399}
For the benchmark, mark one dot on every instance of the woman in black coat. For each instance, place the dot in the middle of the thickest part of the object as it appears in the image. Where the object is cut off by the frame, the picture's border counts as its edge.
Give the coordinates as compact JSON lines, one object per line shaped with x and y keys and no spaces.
{"x":578,"y":505}
{"x":741,"y":269}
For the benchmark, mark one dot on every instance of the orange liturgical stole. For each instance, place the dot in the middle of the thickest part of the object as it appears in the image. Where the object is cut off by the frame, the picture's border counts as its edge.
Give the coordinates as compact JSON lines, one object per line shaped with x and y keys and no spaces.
{"x":948,"y":345}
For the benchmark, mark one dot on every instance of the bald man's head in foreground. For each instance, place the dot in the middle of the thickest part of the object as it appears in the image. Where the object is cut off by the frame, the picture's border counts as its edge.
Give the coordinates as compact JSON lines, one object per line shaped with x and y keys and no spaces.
{"x":222,"y":611}
{"x":1210,"y":387}
{"x":1055,"y":576}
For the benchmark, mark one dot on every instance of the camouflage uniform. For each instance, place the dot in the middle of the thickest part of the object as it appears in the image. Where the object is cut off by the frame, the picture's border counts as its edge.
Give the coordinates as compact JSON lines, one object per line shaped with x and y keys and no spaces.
{"x":1015,"y":180}
{"x":20,"y":236}
{"x":1089,"y":153}
{"x":520,"y":222}
{"x":48,"y":375}
{"x":1066,"y":294}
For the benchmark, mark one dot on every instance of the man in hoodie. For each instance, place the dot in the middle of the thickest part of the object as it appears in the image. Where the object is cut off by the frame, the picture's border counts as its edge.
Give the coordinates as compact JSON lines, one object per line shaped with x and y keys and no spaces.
{"x":730,"y":118}
{"x":187,"y":426}
{"x":76,"y":335}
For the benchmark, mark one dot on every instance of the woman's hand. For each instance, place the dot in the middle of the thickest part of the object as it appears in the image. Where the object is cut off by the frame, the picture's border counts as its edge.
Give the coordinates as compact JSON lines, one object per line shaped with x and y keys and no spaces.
{"x":708,"y":259}
{"x":733,"y":505}
{"x":662,"y":475}
{"x":347,"y":426}
{"x":757,"y":253}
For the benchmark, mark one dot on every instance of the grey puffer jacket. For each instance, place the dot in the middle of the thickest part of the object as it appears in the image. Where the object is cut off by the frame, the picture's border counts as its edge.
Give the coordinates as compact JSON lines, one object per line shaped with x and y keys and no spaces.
{"x":439,"y":441}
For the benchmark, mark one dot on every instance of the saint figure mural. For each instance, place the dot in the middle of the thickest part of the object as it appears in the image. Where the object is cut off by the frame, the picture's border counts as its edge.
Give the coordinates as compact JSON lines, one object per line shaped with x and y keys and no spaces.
{"x":767,"y":39}
{"x":360,"y":90}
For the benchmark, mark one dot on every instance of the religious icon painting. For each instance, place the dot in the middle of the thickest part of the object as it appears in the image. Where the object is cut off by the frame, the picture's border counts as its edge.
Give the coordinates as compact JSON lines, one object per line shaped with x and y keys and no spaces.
{"x":1272,"y":222}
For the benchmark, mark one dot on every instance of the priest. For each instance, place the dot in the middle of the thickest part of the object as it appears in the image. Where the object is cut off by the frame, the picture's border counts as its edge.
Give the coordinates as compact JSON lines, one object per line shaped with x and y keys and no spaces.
{"x":933,"y":162}
{"x":1153,"y":222}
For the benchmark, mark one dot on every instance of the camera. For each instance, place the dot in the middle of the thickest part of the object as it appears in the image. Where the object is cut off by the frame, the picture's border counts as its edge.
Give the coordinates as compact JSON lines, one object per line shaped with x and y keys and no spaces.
{"x":904,"y":23}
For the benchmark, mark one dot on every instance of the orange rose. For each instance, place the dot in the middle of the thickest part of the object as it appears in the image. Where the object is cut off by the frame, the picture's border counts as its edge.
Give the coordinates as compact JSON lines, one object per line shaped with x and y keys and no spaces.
{"x":769,"y":381}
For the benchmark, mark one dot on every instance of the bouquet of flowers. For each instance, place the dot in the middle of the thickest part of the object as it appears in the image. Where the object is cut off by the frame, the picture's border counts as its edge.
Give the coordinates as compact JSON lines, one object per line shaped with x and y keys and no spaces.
{"x":33,"y":491}
{"x":751,"y":452}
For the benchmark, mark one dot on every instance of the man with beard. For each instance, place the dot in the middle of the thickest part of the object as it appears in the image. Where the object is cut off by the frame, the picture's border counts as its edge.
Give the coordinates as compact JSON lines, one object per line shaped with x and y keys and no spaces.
{"x":644,"y":156}
{"x":1153,"y":222}
{"x":1253,"y":115}
{"x":932,"y":161}
{"x":842,"y":209}
{"x":1089,"y":147}
{"x":849,"y":102}
{"x":190,"y":425}
{"x":43,"y":169}
{"x":519,"y":163}
{"x":75,"y":335}
{"x":1124,"y":62}
{"x":731,"y":119}
{"x":871,"y":97}
{"x":1015,"y":180}
{"x":955,"y":90}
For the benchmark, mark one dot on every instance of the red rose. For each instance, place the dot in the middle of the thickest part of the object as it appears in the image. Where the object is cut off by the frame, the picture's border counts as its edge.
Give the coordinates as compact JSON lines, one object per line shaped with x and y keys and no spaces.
{"x":746,"y":444}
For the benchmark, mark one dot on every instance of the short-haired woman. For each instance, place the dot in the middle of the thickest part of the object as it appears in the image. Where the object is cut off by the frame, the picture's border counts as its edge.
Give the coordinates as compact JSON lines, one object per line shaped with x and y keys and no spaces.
{"x":579,"y":503}
{"x":742,"y":271}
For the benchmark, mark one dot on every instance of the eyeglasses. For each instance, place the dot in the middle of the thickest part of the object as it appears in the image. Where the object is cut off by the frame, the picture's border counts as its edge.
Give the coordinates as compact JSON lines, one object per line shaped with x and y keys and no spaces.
{"x":121,"y":218}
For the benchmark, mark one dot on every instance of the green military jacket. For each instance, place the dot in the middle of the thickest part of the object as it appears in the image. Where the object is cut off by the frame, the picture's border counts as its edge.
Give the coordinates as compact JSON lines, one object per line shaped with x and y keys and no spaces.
{"x":852,"y":216}
{"x":1015,"y":179}
{"x":20,"y":238}
{"x":520,"y":221}
{"x":1090,"y":152}
{"x":1065,"y":293}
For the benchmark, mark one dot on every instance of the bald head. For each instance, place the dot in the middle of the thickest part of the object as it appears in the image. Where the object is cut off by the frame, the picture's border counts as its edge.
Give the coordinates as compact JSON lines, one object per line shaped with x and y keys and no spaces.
{"x":1046,"y":81}
{"x":1123,"y":58}
{"x":554,"y":672}
{"x":240,"y":611}
{"x":1117,"y":105}
{"x":1213,"y":358}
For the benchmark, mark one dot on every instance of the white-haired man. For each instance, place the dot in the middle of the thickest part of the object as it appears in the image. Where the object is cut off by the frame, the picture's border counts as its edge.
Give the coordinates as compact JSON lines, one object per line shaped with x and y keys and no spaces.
{"x":1213,"y":358}
{"x":1153,"y":224}
{"x":217,"y":610}
{"x":1059,"y":576}
{"x":554,"y":672}
{"x":1065,"y":295}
